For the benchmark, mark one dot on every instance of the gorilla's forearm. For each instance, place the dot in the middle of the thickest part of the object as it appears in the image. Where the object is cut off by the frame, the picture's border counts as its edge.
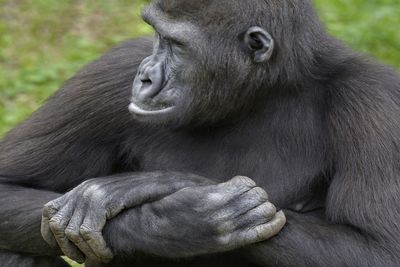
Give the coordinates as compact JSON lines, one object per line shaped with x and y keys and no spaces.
{"x":75,"y":221}
{"x":198,"y":220}
{"x":21,"y":215}
{"x":308,"y":240}
{"x":20,"y":229}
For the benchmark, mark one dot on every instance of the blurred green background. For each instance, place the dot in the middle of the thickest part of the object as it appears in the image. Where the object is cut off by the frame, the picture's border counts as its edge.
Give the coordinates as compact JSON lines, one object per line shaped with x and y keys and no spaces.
{"x":43,"y":42}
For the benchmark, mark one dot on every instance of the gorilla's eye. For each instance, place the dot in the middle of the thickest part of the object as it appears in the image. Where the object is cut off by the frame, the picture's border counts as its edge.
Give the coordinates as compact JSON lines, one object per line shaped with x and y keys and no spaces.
{"x":174,"y":42}
{"x":176,"y":46}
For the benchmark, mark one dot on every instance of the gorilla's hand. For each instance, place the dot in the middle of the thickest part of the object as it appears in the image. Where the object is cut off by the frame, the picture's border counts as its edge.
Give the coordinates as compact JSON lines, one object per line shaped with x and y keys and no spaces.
{"x":75,"y":221}
{"x":199,"y":220}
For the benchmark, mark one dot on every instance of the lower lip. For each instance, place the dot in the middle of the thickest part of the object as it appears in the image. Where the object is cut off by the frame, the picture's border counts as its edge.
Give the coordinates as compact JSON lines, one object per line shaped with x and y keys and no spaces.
{"x":136,"y":110}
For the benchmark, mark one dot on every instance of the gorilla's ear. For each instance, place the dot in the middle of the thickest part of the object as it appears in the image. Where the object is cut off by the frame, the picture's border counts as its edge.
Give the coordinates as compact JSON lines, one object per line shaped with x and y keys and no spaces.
{"x":260,"y":42}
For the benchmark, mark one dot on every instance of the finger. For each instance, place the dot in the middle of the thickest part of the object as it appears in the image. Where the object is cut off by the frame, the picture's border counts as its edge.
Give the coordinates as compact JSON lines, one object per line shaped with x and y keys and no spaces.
{"x":91,"y":232}
{"x":242,"y":180}
{"x":97,"y":243}
{"x":72,"y":231}
{"x":48,"y":212}
{"x":250,"y":200}
{"x":238,"y":185}
{"x":260,"y":215}
{"x":224,"y":193}
{"x":239,"y":205}
{"x":264,"y":231}
{"x":58,"y":224}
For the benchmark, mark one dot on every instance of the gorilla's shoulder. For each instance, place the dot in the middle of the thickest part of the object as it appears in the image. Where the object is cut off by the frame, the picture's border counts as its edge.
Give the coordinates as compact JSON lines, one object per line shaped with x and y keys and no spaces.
{"x":140,"y":44}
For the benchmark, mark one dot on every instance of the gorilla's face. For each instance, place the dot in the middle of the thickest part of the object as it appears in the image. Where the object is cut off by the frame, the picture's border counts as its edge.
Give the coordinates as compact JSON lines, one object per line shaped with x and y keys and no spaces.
{"x":157,"y":89}
{"x":198,"y":73}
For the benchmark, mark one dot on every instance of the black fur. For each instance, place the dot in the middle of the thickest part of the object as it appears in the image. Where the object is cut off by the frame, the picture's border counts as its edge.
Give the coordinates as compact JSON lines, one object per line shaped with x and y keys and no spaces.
{"x":318,"y":127}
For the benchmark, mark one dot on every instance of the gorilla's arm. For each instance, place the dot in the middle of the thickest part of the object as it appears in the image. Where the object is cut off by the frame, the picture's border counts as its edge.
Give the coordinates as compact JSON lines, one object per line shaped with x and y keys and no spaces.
{"x":20,"y":217}
{"x":363,"y":235}
{"x":309,"y":240}
{"x":73,"y":137}
{"x":74,"y":222}
{"x":171,"y":229}
{"x":197,"y":220}
{"x":360,"y":223}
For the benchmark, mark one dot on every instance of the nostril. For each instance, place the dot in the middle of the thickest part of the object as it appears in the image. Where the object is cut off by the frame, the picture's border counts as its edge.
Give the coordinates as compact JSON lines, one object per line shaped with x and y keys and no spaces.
{"x":146,"y":82}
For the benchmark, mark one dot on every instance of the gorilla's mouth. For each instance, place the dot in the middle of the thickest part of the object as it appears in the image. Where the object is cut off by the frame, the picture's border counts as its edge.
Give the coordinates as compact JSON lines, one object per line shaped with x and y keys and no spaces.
{"x":142,"y":110}
{"x":160,"y":102}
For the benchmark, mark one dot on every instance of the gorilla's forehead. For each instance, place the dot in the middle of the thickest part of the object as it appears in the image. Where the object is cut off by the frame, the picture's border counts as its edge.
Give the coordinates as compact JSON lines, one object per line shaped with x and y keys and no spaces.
{"x":205,"y":10}
{"x":182,"y":6}
{"x":229,"y":17}
{"x":244,"y":9}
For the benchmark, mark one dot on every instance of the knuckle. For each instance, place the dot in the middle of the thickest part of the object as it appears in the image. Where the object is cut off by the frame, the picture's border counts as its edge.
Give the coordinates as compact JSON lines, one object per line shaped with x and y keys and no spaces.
{"x":268,"y":209}
{"x":259,"y":193}
{"x":261,"y":233}
{"x":49,"y":206}
{"x":49,"y":209}
{"x":223,"y":227}
{"x":246,"y":181}
{"x":256,"y":234}
{"x":72,"y":234}
{"x":94,"y":193}
{"x":55,"y":224}
{"x":86,"y":232}
{"x":268,"y":231}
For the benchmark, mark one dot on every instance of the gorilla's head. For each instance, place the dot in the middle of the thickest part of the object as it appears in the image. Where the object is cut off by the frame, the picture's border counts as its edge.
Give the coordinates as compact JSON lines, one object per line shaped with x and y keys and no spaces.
{"x":217,"y":60}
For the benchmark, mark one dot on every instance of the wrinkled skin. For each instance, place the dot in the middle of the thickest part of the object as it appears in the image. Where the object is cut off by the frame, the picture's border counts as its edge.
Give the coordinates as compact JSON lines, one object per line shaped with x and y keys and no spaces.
{"x":224,"y":216}
{"x":219,"y":218}
{"x":75,"y":221}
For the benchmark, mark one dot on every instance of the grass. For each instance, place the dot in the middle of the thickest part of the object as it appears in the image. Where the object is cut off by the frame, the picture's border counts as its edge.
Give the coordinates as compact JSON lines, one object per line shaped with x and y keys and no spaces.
{"x":370,"y":26}
{"x":43,"y":42}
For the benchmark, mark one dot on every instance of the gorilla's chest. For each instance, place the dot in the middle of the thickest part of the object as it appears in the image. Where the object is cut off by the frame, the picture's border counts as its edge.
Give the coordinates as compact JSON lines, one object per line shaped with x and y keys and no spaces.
{"x":286,"y":171}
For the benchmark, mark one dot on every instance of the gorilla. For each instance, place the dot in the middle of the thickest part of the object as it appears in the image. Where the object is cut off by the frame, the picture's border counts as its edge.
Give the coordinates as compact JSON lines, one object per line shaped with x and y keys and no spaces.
{"x":228,"y":89}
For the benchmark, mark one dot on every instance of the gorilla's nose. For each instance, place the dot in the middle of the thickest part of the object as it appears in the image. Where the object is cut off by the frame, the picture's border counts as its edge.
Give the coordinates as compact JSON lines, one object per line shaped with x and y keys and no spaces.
{"x":146,"y":82}
{"x":151,"y":80}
